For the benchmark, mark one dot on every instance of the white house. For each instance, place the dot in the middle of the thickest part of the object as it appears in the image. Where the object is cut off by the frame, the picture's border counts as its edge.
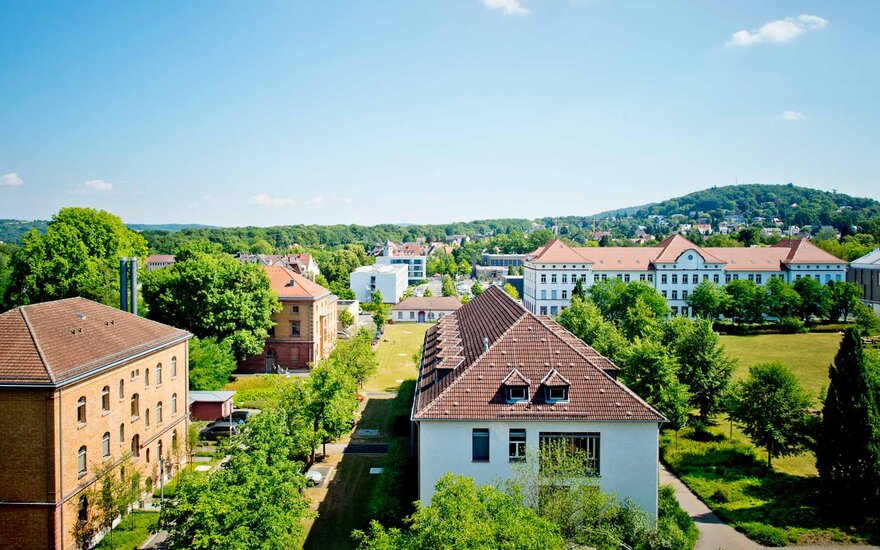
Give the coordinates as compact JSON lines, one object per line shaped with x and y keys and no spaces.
{"x":497,"y":382}
{"x":421,"y":309}
{"x":158,"y":261}
{"x":674,"y":268}
{"x":390,"y":280}
{"x":413,"y":255}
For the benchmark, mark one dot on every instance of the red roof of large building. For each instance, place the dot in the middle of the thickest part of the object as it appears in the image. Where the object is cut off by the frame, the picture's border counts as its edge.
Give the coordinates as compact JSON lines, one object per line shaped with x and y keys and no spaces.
{"x":470,"y":356}
{"x":54,"y":342}
{"x":289,"y":284}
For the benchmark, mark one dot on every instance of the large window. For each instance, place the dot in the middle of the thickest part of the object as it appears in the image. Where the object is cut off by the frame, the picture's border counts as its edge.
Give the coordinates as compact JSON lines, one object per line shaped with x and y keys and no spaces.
{"x":81,"y":461}
{"x":517,"y":445}
{"x":105,"y":445}
{"x":121,"y":390}
{"x":584,"y":445}
{"x":136,"y":446}
{"x":159,"y":374}
{"x":135,"y":406}
{"x":121,"y":434}
{"x":480,"y":444}
{"x":105,"y":398}
{"x":147,"y":378}
{"x":173,"y":368}
{"x":294,"y":328}
{"x":173,"y":403}
{"x":159,"y":412}
{"x":81,"y":410}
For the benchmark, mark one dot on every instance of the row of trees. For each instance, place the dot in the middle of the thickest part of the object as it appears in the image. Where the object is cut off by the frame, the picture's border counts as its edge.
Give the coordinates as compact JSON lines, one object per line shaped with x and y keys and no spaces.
{"x":744,"y":301}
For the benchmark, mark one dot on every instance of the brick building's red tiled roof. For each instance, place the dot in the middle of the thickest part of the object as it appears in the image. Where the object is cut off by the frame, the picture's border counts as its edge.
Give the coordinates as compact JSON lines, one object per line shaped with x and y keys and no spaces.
{"x":469,"y":355}
{"x":288,"y":284}
{"x":53,"y":342}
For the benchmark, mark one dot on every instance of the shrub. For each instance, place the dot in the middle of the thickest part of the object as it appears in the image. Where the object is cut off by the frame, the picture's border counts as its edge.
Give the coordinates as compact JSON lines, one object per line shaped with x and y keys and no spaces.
{"x":764,"y":534}
{"x":390,"y":493}
{"x":675,"y":528}
{"x":720,"y":495}
{"x":791,"y":325}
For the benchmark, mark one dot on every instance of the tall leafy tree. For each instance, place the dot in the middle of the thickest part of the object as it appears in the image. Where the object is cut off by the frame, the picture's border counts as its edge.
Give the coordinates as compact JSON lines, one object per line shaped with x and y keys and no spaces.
{"x":705,"y":367}
{"x":848,"y":450}
{"x":648,"y":368}
{"x":614,"y":298}
{"x":782,"y":300}
{"x":78,"y":256}
{"x":210,"y":363}
{"x":448,"y":287}
{"x":355,"y":357}
{"x":333,"y":402}
{"x":708,"y":300}
{"x":578,"y":290}
{"x":814,"y":298}
{"x":476,"y":288}
{"x":746,"y":303}
{"x":842,"y":299}
{"x":773,"y":409}
{"x":213,"y":295}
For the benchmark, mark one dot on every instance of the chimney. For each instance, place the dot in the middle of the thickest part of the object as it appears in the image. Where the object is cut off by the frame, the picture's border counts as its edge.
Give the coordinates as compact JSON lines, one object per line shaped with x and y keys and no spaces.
{"x":485,"y":344}
{"x":128,"y":284}
{"x":123,"y":284}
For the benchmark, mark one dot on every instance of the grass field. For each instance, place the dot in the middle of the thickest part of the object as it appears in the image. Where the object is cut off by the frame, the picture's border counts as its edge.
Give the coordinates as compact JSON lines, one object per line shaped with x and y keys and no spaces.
{"x":395,"y":354}
{"x":807,"y":355}
{"x":134,"y":529}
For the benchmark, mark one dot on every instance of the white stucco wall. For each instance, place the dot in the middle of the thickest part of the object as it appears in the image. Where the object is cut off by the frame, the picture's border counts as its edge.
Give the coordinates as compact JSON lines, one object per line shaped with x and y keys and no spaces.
{"x":392,"y":284}
{"x":628,"y":454}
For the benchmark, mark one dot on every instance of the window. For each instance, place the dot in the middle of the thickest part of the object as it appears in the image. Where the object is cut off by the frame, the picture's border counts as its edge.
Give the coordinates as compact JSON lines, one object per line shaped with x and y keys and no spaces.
{"x":604,"y":276}
{"x":595,"y":276}
{"x":136,"y":446}
{"x":663,"y":279}
{"x":147,"y":416}
{"x":553,"y":310}
{"x":543,"y":310}
{"x":81,"y":461}
{"x":294,"y":328}
{"x":518,"y":393}
{"x":626,"y":278}
{"x":564,"y":278}
{"x":553,"y":278}
{"x":121,"y":434}
{"x":294,"y":309}
{"x":675,"y":295}
{"x":121,"y":389}
{"x":727,"y":278}
{"x":159,"y":374}
{"x":675,"y":278}
{"x":135,"y":406}
{"x":736,"y":276}
{"x":105,"y":446}
{"x":585,"y":445}
{"x":715,"y":278}
{"x":147,"y":378}
{"x":752,"y":277}
{"x":81,"y":410}
{"x":517,"y":445}
{"x":543,"y":278}
{"x":583,"y":277}
{"x":695,"y":278}
{"x":557,"y":393}
{"x":684,"y":294}
{"x":564,"y":294}
{"x":105,"y":398}
{"x":619,"y":277}
{"x":412,"y":314}
{"x":674,"y":310}
{"x":663,"y":292}
{"x":759,"y":278}
{"x":543,"y":294}
{"x":173,"y":403}
{"x":705,"y":277}
{"x":480,"y":444}
{"x":553,"y":294}
{"x":173,"y":368}
{"x":159,"y":412}
{"x":650,"y":277}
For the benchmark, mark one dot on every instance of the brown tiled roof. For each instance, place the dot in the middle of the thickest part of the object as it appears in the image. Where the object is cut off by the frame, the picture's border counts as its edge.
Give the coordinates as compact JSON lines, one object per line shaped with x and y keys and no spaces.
{"x":674,"y":246}
{"x":516,"y":379}
{"x":557,"y":251}
{"x":160,"y":258}
{"x":802,"y":251}
{"x":428,"y":303}
{"x":619,"y":258}
{"x":750,"y":259}
{"x":534,"y":347}
{"x":289,"y":284}
{"x":53,"y":342}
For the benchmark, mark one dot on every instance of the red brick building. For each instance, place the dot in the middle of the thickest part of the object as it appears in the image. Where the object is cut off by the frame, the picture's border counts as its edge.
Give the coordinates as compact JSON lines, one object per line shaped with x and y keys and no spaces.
{"x":82,"y":385}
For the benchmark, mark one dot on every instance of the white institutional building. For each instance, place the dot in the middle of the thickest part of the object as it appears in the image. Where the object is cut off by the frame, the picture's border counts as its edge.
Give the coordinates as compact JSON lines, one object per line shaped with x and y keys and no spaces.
{"x":413,"y":255}
{"x":390,"y":280}
{"x":674,"y":268}
{"x":497,"y":383}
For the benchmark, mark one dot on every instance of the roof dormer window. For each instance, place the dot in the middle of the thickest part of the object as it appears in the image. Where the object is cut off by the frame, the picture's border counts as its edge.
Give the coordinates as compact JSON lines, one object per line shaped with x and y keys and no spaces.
{"x":557,"y":393}
{"x":555,"y":387}
{"x":518,"y":393}
{"x":516,"y":387}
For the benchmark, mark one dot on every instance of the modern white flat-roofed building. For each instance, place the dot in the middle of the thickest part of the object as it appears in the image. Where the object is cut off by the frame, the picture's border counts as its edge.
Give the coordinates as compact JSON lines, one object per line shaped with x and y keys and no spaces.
{"x":390,"y":280}
{"x":413,"y":255}
{"x":496,"y":383}
{"x":674,"y":268}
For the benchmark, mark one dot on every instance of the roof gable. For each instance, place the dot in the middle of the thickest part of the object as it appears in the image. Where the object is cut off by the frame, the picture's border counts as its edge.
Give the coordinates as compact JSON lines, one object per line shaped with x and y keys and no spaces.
{"x":289,"y":284}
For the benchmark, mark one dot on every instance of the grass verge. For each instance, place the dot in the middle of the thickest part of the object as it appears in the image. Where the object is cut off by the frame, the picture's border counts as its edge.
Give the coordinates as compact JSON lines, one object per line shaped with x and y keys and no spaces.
{"x":394,"y":354}
{"x":133,"y":530}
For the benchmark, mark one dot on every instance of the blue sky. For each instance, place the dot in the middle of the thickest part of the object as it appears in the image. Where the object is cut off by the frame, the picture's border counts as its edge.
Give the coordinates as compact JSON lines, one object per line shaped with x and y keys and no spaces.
{"x":427,"y":111}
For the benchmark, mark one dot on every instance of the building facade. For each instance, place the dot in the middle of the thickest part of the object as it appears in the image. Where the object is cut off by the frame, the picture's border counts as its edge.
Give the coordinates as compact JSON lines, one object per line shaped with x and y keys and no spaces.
{"x":413,"y":255}
{"x":390,"y":280}
{"x":497,"y":384}
{"x":305,"y":328}
{"x":865,"y":272}
{"x":421,"y":309}
{"x":83,"y":386}
{"x":674,"y":267}
{"x":158,"y":261}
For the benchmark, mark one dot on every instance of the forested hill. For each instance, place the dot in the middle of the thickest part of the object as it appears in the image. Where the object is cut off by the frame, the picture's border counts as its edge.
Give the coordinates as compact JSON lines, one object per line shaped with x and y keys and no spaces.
{"x":791,"y":204}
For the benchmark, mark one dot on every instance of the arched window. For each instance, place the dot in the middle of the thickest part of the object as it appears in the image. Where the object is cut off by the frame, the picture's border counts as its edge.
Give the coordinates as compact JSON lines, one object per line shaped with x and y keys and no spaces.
{"x":82,"y":511}
{"x":105,"y":398}
{"x":173,"y":368}
{"x":147,"y":416}
{"x":159,"y":412}
{"x":136,"y":446}
{"x":81,"y":410}
{"x":135,"y":406}
{"x":158,"y":374}
{"x":174,"y":440}
{"x":148,"y":454}
{"x":173,"y":404}
{"x":147,"y":377}
{"x":105,"y":445}
{"x":121,"y":434}
{"x":122,"y":389}
{"x":81,"y":461}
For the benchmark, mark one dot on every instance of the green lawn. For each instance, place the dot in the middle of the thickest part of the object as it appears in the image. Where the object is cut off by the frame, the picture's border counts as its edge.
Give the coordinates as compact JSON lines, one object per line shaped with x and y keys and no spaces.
{"x":807,"y":355}
{"x":133,"y":530}
{"x":395,"y":352}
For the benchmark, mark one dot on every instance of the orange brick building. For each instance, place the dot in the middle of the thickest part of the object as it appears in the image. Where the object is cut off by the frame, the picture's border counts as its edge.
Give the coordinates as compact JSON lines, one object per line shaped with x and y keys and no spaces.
{"x":305,"y":328}
{"x":82,"y":385}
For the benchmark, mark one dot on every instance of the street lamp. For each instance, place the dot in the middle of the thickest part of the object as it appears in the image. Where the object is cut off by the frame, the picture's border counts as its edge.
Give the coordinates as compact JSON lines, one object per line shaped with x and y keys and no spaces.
{"x":161,"y":482}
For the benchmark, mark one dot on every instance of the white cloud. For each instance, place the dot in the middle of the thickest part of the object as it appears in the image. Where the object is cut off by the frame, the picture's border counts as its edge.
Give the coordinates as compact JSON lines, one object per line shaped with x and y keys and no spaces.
{"x":507,"y":7}
{"x":792,"y":116}
{"x":781,"y":30}
{"x":265,"y":200}
{"x":317,"y":201}
{"x":11,"y":181}
{"x":343,"y":200}
{"x":95,"y":186}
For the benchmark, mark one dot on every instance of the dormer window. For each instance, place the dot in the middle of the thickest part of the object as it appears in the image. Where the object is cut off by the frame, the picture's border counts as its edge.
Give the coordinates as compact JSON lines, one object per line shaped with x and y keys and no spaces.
{"x":518,"y":393}
{"x":516,"y":387}
{"x":555,"y":387}
{"x":557,"y":393}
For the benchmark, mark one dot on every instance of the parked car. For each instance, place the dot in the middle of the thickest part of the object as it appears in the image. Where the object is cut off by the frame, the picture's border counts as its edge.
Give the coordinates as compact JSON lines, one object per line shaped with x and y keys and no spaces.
{"x":313,"y":477}
{"x":216,"y":430}
{"x":342,"y":334}
{"x":238,"y":417}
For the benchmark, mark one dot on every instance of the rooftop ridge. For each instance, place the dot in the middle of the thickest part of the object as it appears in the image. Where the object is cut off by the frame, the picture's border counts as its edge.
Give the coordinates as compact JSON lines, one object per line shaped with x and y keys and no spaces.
{"x":37,"y":346}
